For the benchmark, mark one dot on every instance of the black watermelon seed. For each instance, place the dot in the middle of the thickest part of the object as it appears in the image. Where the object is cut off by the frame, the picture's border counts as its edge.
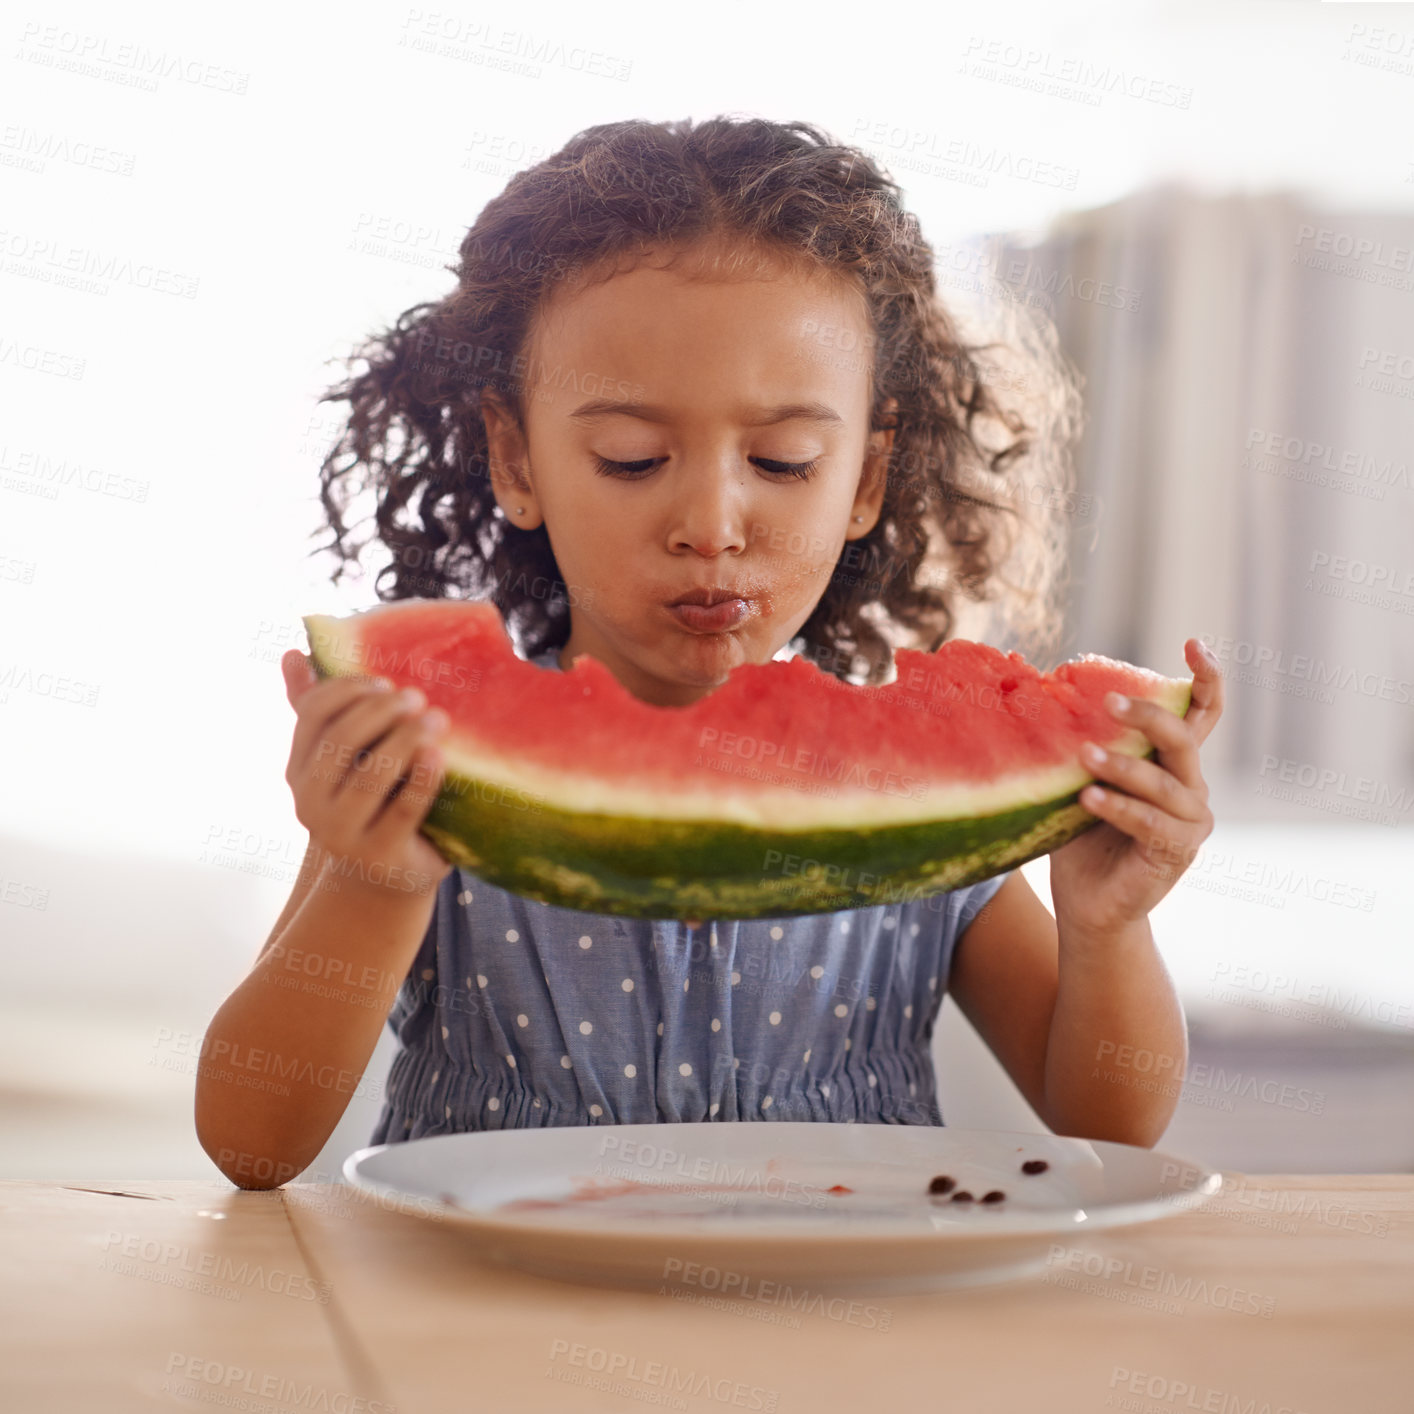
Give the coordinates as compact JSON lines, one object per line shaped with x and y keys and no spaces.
{"x":942,"y":1184}
{"x":962,"y":1196}
{"x":995,"y":1196}
{"x":1035,"y":1166}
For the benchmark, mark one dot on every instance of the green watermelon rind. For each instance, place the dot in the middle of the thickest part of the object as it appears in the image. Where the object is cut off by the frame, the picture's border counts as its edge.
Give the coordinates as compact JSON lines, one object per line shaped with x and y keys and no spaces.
{"x":601,"y":863}
{"x":604,"y":864}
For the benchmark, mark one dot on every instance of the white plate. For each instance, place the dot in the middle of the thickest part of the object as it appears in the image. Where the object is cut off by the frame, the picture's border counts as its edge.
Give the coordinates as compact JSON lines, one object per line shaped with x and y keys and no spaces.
{"x":725,"y":1207}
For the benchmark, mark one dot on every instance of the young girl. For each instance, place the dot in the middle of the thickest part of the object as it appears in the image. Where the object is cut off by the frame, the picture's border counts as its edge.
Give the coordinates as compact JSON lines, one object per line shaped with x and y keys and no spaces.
{"x":694,"y":403}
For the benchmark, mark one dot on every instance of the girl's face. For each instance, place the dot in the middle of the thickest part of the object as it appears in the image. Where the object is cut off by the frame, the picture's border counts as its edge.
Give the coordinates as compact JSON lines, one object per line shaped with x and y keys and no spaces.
{"x":740,"y":406}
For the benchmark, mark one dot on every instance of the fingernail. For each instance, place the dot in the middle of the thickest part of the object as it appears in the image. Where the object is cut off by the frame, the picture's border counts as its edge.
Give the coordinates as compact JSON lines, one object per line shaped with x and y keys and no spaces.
{"x":1094,"y":753}
{"x":412,"y":698}
{"x":1118,"y":702}
{"x":435,"y":719}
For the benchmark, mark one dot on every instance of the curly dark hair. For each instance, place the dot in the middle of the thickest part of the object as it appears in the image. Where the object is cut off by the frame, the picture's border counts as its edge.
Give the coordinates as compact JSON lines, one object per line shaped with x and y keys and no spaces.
{"x":415,"y":436}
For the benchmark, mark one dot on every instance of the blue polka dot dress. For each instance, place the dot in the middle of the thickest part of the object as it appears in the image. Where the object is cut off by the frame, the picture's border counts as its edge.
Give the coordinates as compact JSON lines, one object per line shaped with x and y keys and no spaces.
{"x":518,"y":1014}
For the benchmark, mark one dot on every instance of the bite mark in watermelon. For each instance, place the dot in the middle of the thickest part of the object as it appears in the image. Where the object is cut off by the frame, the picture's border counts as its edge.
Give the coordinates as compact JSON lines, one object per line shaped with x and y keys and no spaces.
{"x":783,"y":791}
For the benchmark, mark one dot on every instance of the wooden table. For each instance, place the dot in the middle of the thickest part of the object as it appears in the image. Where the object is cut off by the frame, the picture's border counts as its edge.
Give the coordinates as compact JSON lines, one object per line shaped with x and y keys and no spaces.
{"x":1293,"y":1293}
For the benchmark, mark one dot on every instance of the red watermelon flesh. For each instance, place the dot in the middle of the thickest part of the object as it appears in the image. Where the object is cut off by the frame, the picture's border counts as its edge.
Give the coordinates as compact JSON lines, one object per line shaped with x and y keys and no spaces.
{"x":967,"y":734}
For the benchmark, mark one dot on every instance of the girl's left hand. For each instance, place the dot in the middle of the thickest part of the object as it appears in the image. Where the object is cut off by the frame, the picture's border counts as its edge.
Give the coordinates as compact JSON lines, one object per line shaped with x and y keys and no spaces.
{"x":1155,"y":817}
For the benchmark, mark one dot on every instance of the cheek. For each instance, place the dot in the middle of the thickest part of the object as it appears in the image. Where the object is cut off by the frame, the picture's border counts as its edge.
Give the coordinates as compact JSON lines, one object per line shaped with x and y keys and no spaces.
{"x":588,"y":518}
{"x":800,"y":548}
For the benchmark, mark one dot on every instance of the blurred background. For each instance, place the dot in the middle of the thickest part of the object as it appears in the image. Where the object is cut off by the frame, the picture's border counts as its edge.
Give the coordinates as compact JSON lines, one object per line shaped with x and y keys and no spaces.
{"x":1210,"y":205}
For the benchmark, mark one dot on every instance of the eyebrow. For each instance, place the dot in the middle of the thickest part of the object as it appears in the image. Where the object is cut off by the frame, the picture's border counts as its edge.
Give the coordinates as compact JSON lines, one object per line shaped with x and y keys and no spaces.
{"x":758,"y":417}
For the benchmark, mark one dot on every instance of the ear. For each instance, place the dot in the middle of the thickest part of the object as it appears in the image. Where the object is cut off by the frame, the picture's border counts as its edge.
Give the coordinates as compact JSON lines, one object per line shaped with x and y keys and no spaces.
{"x":508,"y":462}
{"x":873,"y":479}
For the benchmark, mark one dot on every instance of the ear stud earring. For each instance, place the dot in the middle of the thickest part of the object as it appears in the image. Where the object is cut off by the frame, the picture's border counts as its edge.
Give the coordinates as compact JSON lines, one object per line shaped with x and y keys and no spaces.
{"x":859,"y":518}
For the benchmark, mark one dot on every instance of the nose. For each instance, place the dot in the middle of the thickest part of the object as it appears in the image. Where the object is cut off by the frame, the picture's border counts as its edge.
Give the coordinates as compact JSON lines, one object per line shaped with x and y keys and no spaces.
{"x":709,"y":512}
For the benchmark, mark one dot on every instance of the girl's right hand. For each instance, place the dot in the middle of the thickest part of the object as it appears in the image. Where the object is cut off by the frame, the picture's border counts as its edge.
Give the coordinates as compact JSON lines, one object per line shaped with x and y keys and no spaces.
{"x":354,"y":744}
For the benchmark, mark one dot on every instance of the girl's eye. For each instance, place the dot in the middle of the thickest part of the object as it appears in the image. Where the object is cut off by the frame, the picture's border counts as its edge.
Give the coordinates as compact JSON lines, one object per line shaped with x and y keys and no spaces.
{"x":803,"y":470}
{"x":626,"y":469}
{"x":631,"y":470}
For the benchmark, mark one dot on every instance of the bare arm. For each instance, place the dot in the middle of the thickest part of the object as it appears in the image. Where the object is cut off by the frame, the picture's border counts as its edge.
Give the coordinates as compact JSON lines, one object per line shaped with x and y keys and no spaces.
{"x":1074,"y":1019}
{"x":287,"y":1048}
{"x":284,"y":1052}
{"x":1004,"y":980}
{"x":309,"y":870}
{"x":242,"y":1166}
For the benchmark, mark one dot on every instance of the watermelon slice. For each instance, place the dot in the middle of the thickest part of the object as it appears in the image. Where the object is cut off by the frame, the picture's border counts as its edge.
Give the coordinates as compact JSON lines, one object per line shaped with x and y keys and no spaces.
{"x":783,"y":791}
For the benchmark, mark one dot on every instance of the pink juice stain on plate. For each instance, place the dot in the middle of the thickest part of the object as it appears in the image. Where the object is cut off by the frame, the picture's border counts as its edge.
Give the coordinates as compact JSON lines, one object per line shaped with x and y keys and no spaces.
{"x":588,"y":1189}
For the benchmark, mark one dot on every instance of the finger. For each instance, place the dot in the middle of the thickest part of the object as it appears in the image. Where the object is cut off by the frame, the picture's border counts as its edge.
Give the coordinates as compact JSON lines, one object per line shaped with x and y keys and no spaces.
{"x":370,"y":781}
{"x":1172,"y":737}
{"x":1158,"y":832}
{"x":1206,"y":705}
{"x":358,"y":737}
{"x":1146,"y":780}
{"x":299,"y":675}
{"x":413,"y":794}
{"x":322,"y":709}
